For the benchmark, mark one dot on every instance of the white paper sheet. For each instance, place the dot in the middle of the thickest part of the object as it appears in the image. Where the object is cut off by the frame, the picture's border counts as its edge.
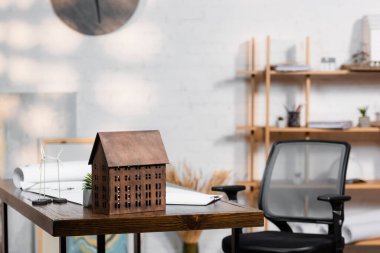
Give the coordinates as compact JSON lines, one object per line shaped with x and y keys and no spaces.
{"x":72,"y":191}
{"x":180,"y":196}
{"x":26,"y":176}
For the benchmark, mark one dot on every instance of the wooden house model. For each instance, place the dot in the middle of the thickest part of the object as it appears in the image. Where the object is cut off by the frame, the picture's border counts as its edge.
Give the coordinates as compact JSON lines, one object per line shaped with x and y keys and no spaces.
{"x":128,"y":172}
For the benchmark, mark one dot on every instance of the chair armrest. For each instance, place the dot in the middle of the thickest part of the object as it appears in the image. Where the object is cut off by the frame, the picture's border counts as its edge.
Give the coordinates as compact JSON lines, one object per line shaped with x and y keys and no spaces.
{"x":230,"y":190}
{"x":337,"y":203}
{"x":334,"y":198}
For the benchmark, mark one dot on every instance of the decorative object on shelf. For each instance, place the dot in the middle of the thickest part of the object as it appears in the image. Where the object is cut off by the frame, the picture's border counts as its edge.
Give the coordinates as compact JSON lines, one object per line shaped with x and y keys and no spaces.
{"x":354,"y":168}
{"x":94,"y":17}
{"x":355,"y":181}
{"x":328,"y":63}
{"x":363,"y":67}
{"x":194,"y":180}
{"x":294,"y":117}
{"x":291,"y":67}
{"x":364,"y":119}
{"x":128,"y":172}
{"x":377,"y":122}
{"x":371,"y":33}
{"x":280,"y":122}
{"x":360,"y":58}
{"x":346,"y":124}
{"x":87,"y":186}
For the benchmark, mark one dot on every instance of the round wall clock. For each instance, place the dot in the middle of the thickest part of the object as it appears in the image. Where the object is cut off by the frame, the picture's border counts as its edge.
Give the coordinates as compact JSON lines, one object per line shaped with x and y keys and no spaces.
{"x":94,"y":17}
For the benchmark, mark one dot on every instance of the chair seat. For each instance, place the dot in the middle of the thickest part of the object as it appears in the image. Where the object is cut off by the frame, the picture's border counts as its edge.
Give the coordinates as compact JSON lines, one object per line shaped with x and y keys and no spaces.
{"x":281,"y":242}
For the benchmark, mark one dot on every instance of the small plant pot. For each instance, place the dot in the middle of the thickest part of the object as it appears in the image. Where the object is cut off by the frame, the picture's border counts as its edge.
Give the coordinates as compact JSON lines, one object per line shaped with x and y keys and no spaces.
{"x":280,"y":123}
{"x":87,"y":198}
{"x":364,"y":122}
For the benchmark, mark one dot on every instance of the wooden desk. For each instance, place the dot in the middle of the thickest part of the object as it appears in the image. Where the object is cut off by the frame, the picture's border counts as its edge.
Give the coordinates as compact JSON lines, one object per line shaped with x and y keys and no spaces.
{"x":74,"y":220}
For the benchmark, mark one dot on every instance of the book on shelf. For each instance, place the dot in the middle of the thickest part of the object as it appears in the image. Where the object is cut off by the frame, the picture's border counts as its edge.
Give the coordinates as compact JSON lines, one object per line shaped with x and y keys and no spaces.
{"x":291,"y":67}
{"x":331,"y":124}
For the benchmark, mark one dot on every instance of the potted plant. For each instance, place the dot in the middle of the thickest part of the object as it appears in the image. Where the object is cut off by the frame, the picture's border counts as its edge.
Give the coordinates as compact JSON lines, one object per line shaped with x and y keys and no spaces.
{"x":364,"y":119}
{"x":87,"y":186}
{"x":280,"y":122}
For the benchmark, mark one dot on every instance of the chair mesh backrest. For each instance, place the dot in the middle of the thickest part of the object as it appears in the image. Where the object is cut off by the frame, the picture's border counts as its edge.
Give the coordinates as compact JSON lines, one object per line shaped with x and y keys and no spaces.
{"x":297,"y":173}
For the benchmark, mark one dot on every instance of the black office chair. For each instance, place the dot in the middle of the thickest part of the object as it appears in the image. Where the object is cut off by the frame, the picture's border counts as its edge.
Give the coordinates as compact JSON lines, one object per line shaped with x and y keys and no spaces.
{"x":303,"y":181}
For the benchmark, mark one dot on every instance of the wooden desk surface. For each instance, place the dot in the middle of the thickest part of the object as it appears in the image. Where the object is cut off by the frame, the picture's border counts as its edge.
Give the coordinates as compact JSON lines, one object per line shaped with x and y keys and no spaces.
{"x":72,"y":219}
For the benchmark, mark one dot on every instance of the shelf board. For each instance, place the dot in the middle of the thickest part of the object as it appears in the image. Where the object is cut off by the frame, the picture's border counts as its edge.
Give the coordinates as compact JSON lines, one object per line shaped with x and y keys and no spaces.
{"x":319,"y":130}
{"x":248,"y":128}
{"x":249,"y":72}
{"x":311,"y":73}
{"x":340,"y":72}
{"x":368,"y":185}
{"x":298,"y":73}
{"x":255,"y":183}
{"x":370,"y":242}
{"x":310,"y":130}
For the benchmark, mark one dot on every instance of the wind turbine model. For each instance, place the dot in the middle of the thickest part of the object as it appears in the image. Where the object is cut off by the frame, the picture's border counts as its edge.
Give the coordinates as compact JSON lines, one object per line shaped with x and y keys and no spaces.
{"x":59,"y":200}
{"x":44,"y":200}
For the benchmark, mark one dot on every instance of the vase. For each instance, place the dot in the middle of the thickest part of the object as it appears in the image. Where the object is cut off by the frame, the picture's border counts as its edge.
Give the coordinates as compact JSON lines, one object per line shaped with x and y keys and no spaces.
{"x":294,"y":119}
{"x":364,"y":122}
{"x":87,"y":198}
{"x":190,"y":247}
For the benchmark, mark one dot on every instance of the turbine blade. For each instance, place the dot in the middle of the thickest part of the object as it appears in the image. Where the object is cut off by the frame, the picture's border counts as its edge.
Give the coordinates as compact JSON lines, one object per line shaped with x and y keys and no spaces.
{"x":42,"y":150}
{"x":59,"y":153}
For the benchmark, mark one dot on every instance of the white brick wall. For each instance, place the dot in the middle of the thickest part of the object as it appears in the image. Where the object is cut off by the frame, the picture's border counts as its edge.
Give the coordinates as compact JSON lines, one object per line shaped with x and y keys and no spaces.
{"x":172,"y":68}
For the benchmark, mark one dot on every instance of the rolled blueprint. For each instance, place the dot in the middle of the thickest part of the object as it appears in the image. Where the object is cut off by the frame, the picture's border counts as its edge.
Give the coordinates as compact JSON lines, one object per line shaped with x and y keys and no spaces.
{"x":27,"y":176}
{"x":358,"y":232}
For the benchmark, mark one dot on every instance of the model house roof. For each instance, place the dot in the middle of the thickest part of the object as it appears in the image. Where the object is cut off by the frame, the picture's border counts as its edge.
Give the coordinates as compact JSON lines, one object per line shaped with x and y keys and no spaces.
{"x":131,"y":148}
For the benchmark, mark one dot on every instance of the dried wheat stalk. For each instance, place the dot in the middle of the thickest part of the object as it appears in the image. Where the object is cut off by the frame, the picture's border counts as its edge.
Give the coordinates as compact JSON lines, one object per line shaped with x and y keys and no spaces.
{"x":194,"y":180}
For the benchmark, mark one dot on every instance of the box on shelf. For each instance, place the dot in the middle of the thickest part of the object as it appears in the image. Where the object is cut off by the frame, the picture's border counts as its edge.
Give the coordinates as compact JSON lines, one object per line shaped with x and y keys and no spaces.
{"x":371,"y":37}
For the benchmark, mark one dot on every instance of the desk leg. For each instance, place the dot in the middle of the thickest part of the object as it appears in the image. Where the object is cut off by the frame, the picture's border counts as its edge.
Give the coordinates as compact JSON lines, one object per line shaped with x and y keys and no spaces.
{"x":137,"y":242}
{"x":62,"y":244}
{"x":5,"y":228}
{"x":235,"y":240}
{"x":101,"y":243}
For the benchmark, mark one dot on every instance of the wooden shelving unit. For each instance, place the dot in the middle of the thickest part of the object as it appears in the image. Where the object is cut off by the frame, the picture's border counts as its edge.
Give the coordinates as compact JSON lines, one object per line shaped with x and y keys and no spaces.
{"x":267,"y":133}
